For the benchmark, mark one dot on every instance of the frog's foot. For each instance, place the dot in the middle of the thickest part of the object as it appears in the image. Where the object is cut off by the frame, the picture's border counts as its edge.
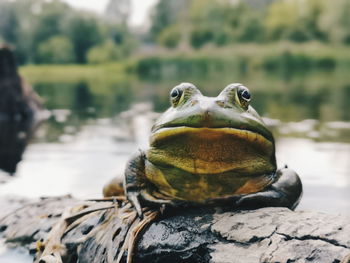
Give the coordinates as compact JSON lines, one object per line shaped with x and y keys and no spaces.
{"x":285,"y":192}
{"x":114,"y":188}
{"x":143,"y":198}
{"x":134,"y":198}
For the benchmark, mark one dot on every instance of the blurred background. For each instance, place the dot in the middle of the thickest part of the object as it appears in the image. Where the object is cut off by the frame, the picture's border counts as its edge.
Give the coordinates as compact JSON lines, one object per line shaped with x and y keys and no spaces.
{"x":104,"y":69}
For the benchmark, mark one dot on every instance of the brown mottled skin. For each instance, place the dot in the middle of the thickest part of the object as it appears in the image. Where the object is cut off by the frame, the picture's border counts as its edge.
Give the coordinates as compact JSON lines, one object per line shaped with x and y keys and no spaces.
{"x":210,"y":150}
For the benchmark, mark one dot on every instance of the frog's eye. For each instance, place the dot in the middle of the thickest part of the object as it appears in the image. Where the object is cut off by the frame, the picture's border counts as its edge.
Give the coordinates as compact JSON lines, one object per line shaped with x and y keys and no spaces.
{"x":244,"y":96}
{"x":175,"y":95}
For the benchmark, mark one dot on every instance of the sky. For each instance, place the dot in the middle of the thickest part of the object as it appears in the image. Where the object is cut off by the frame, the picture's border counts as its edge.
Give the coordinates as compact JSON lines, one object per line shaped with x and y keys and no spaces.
{"x":140,"y":8}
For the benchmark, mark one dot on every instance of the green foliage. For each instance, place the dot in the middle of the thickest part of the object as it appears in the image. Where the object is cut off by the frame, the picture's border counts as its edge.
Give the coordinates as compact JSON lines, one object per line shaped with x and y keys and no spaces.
{"x":249,"y":27}
{"x":56,"y":50}
{"x":84,"y":33}
{"x":170,"y":37}
{"x":120,"y":35}
{"x":48,"y":17}
{"x":37,"y":28}
{"x":107,"y":52}
{"x":167,"y":13}
{"x":201,"y":36}
{"x":335,"y":23}
{"x":223,"y":22}
{"x":73,"y":73}
{"x":294,"y":20}
{"x":8,"y":23}
{"x":209,"y":19}
{"x":206,"y":21}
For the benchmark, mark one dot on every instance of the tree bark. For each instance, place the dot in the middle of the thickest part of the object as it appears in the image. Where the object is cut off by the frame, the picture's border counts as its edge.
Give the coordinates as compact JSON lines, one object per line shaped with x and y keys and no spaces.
{"x":18,"y":106}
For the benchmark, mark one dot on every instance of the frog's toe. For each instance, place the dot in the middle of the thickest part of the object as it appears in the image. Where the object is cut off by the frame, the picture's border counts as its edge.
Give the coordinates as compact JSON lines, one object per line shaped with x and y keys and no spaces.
{"x":259,"y":200}
{"x":134,"y":199}
{"x":151,"y":200}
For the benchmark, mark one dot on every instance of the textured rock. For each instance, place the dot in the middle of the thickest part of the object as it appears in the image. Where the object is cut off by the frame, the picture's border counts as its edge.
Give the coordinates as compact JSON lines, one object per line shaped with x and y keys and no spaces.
{"x":23,"y":222}
{"x":263,"y":235}
{"x":192,"y":235}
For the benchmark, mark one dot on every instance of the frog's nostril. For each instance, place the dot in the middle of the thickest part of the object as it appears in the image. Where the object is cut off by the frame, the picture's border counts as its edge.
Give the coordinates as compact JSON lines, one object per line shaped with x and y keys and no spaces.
{"x":194,"y":102}
{"x":220,"y":103}
{"x":207,"y":118}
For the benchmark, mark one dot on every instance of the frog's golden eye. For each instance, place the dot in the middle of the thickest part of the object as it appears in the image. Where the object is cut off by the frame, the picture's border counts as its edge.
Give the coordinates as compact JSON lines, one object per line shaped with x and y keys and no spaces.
{"x":175,"y":95}
{"x":244,"y":96}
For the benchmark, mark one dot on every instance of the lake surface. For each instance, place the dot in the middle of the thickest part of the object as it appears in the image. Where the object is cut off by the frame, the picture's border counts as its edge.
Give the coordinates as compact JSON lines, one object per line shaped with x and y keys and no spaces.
{"x":92,"y":130}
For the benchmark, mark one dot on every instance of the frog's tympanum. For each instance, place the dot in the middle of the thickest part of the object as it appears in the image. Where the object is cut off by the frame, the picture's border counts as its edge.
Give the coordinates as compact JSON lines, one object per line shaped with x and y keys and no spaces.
{"x":210,"y":150}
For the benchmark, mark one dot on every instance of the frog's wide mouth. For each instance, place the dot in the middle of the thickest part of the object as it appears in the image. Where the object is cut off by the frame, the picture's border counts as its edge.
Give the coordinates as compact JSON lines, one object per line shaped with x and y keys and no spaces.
{"x":212,"y":150}
{"x":211,"y":134}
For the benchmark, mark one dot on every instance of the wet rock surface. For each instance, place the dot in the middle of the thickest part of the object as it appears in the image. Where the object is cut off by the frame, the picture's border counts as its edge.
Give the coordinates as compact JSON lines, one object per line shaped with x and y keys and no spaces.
{"x":195,"y":235}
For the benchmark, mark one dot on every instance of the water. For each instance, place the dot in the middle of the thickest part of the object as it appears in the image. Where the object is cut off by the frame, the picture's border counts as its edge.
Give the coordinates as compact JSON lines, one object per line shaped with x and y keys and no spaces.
{"x":92,"y":131}
{"x":13,"y":255}
{"x":80,"y":165}
{"x":324,"y":170}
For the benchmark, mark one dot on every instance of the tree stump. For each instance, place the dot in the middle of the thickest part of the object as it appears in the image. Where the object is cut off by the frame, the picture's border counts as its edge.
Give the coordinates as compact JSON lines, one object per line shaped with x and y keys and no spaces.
{"x":19,"y":105}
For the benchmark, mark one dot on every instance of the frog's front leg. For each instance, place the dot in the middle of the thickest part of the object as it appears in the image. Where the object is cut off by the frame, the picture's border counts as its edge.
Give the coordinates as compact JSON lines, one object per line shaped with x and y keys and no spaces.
{"x":134,"y":180}
{"x":137,"y":188}
{"x":285,"y":192}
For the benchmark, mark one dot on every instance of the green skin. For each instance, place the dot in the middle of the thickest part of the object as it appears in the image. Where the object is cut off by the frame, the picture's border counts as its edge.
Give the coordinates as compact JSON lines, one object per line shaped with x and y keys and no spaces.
{"x":210,"y":150}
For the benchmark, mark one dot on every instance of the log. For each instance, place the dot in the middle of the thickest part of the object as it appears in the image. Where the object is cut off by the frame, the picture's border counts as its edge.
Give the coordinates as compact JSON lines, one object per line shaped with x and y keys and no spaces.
{"x":19,"y":108}
{"x":100,"y":231}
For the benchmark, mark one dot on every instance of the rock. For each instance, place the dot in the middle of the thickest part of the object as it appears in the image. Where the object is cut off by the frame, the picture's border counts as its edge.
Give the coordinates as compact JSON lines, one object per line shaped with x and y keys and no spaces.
{"x":23,"y":222}
{"x":192,"y":235}
{"x":263,"y":235}
{"x":11,"y":203}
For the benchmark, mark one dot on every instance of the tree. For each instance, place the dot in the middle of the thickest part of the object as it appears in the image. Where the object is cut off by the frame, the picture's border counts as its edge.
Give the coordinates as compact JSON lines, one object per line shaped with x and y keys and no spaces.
{"x":170,"y":37}
{"x":244,"y":22}
{"x":294,"y":20}
{"x":48,"y":19}
{"x":165,"y":14}
{"x":57,"y":49}
{"x":37,"y":28}
{"x":335,"y":21}
{"x":221,"y":22}
{"x":8,"y":23}
{"x":84,"y":32}
{"x":107,"y":52}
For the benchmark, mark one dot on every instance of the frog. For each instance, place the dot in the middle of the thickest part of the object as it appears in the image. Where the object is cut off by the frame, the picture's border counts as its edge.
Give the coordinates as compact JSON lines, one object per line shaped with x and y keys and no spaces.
{"x":209,"y":151}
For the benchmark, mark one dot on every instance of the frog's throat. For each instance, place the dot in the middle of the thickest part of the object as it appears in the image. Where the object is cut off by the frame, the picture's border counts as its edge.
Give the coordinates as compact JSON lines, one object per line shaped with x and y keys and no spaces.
{"x":172,"y":183}
{"x":212,"y":150}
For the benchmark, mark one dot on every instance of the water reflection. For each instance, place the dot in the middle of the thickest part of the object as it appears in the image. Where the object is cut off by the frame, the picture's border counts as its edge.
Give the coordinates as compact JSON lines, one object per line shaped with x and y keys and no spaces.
{"x":321,"y":97}
{"x":83,"y":100}
{"x":73,"y":105}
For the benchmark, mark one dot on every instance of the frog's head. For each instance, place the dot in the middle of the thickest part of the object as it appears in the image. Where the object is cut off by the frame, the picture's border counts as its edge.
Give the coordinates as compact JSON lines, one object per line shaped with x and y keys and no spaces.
{"x":202,"y":134}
